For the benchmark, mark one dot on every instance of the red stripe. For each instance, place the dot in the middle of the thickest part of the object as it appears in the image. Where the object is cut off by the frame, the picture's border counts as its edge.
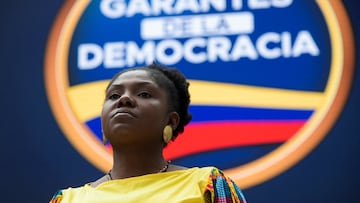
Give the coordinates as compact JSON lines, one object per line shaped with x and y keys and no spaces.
{"x":212,"y":136}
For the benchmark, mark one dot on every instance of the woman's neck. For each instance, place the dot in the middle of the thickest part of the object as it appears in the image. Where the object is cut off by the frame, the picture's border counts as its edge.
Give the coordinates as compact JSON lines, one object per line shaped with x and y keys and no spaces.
{"x":136,"y":161}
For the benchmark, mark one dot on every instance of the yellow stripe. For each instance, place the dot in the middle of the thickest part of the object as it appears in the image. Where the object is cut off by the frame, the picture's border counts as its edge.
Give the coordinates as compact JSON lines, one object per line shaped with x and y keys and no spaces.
{"x":86,"y":100}
{"x":241,"y":95}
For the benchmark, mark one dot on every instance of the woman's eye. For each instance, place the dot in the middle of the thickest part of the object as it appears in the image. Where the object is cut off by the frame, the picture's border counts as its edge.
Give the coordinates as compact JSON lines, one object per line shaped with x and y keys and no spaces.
{"x":114,"y":96}
{"x":145,"y":95}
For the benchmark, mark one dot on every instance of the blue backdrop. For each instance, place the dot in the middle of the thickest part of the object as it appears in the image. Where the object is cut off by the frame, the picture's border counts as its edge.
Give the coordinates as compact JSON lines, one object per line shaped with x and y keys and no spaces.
{"x":37,"y":159}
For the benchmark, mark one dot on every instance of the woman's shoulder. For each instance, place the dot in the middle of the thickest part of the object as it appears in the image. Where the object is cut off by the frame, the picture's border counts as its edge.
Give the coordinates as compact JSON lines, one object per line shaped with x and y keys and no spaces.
{"x":221,"y":187}
{"x":208,"y":170}
{"x":196,"y":170}
{"x":68,"y":193}
{"x":217,"y":186}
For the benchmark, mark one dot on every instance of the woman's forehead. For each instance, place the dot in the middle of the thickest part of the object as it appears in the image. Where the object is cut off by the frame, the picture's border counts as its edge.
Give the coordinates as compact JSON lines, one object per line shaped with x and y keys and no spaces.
{"x":133,"y":75}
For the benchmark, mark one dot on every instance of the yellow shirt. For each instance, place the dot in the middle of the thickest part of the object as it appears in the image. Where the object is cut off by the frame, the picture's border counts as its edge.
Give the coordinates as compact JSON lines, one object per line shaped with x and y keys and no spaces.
{"x":182,"y":186}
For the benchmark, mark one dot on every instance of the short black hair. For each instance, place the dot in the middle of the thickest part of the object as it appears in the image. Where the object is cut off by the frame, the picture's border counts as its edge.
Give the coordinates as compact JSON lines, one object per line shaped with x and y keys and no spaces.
{"x":177,"y":87}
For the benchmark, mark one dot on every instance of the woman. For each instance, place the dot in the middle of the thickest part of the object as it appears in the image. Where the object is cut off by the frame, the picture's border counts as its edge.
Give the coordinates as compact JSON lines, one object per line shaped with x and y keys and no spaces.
{"x":144,"y":109}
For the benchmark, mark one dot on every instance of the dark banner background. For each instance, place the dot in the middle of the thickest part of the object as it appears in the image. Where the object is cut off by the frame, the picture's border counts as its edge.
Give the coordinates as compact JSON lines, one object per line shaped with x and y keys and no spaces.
{"x":37,"y":159}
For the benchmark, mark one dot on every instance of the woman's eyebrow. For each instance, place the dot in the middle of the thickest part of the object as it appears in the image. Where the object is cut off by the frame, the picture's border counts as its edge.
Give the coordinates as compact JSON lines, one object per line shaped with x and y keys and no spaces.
{"x":136,"y":84}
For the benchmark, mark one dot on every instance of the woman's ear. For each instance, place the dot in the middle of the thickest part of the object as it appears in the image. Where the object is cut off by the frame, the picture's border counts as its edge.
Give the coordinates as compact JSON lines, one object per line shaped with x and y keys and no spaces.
{"x":174,"y":120}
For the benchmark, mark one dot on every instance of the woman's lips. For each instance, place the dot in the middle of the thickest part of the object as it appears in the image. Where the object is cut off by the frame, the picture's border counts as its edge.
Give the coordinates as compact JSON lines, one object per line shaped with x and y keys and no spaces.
{"x":123,"y":112}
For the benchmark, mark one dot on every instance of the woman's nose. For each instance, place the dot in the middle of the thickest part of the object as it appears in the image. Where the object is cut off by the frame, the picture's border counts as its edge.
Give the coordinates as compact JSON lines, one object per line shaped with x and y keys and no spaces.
{"x":126,"y":100}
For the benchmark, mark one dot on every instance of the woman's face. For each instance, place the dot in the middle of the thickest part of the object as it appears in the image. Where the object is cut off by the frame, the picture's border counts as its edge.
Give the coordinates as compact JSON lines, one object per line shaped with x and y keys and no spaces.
{"x":135,"y":109}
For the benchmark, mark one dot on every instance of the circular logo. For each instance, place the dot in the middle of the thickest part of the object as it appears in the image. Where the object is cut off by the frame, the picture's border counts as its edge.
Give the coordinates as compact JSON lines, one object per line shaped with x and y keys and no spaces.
{"x":267,"y":78}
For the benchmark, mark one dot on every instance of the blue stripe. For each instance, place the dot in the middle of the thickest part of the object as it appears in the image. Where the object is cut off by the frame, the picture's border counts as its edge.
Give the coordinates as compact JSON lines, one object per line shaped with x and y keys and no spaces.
{"x":218,"y":113}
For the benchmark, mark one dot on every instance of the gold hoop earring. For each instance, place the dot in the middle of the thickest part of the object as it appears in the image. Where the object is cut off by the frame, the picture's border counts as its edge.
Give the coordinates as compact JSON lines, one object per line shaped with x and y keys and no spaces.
{"x":167,"y":134}
{"x":104,"y":139}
